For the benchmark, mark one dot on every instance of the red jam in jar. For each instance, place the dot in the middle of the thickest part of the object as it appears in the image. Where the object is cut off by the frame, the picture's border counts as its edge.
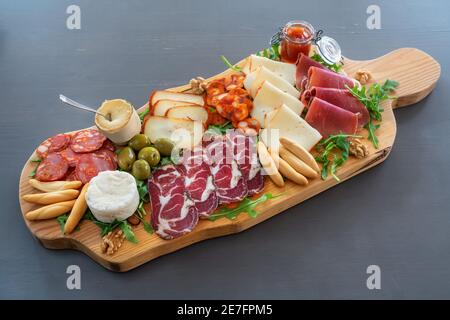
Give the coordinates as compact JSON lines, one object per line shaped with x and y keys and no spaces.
{"x":297,"y":37}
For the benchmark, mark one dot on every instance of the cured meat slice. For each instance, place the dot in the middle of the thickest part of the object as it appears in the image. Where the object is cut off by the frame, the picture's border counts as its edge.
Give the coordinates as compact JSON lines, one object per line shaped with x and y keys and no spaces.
{"x":54,"y":167}
{"x":87,"y":140}
{"x":53,"y":144}
{"x":301,"y":73}
{"x":318,"y":77}
{"x":173,"y":212}
{"x":72,"y":175}
{"x":199,"y":182}
{"x":107,"y":155}
{"x":339,"y":97}
{"x":329,"y":119}
{"x":70,"y":156}
{"x":109,"y":145}
{"x":231,"y":185}
{"x":245,"y":154}
{"x":90,"y":164}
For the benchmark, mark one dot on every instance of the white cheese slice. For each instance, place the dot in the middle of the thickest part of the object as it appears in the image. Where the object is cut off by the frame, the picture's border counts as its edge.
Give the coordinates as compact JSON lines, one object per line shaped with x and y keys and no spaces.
{"x":176,"y":96}
{"x":282,"y":69}
{"x":294,"y":127}
{"x":254,"y":80}
{"x":112,"y":195}
{"x":269,"y":98}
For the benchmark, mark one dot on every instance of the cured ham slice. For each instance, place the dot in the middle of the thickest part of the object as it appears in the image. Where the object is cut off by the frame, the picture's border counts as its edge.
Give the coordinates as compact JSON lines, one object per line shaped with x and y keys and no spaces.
{"x":231,"y":185}
{"x":301,"y":73}
{"x":173,"y":212}
{"x":339,"y":97}
{"x":329,"y":119}
{"x":318,"y":77}
{"x":245,"y":154}
{"x":199,"y":182}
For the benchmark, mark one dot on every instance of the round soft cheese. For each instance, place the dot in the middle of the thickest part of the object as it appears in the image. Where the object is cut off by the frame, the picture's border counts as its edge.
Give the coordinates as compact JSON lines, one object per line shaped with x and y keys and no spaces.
{"x":112,"y":195}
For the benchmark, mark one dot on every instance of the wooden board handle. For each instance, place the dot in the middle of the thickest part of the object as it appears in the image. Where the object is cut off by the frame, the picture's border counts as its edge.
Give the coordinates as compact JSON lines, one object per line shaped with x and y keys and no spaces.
{"x":416,"y":71}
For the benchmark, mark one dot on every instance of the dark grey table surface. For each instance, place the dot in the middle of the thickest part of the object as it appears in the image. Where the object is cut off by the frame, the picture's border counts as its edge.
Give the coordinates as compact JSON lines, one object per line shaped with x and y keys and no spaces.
{"x":395,"y":216}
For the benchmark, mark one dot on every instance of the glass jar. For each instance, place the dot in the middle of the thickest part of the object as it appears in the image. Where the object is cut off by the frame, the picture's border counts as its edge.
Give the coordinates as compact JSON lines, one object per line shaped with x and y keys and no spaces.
{"x":296,"y":38}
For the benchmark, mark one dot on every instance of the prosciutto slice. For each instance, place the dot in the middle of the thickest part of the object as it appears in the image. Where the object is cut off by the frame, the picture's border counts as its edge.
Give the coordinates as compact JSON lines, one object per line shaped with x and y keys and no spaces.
{"x":329,"y":119}
{"x":199,"y":182}
{"x":318,"y":77}
{"x":231,"y":185}
{"x":302,"y":67}
{"x":339,"y":97}
{"x":245,"y":154}
{"x":173,"y":212}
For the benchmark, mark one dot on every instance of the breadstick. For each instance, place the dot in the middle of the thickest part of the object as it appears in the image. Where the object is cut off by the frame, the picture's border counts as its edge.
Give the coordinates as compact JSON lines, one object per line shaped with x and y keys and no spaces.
{"x":300,"y":152}
{"x":269,"y":165}
{"x":50,"y":211}
{"x":51,"y":197}
{"x":289,"y":172}
{"x":77,"y":212}
{"x":55,"y":185}
{"x":297,"y":164}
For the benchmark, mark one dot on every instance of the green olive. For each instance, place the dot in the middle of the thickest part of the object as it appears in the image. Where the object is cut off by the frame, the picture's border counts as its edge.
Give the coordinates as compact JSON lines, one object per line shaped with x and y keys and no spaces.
{"x":139,"y":141}
{"x":126,"y":158}
{"x":150,"y":154}
{"x":164,"y":146}
{"x":141,"y":170}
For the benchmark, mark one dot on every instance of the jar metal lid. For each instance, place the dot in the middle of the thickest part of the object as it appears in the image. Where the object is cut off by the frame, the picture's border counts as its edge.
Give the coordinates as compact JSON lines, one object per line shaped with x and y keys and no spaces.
{"x":329,"y":50}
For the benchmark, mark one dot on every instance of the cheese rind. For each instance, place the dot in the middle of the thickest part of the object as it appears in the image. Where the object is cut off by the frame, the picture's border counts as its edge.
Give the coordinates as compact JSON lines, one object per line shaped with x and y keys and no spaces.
{"x":282,"y":69}
{"x":294,"y":127}
{"x":269,"y":98}
{"x":112,"y":195}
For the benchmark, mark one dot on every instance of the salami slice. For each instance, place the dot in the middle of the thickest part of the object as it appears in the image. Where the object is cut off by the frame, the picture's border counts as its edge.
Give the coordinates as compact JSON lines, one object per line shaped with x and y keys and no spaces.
{"x":107,"y":155}
{"x":72,"y":175}
{"x":109,"y":145}
{"x":87,"y":140}
{"x":70,"y":156}
{"x":53,"y":167}
{"x":90,"y":164}
{"x":53,"y":144}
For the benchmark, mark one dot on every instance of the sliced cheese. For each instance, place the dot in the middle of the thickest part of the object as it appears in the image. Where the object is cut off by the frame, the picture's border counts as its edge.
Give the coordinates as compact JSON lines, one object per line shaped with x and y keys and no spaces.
{"x":294,"y":127}
{"x":184,"y":133}
{"x":255,"y":79}
{"x":268,"y":98}
{"x":176,"y":96}
{"x":282,"y":69}
{"x":161,"y":107}
{"x":196,"y":113}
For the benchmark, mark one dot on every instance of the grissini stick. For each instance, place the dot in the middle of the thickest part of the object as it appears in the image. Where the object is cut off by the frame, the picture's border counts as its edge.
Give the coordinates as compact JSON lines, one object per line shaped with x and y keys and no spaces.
{"x":78,"y":210}
{"x":269,"y":165}
{"x":289,"y":172}
{"x":297,"y":164}
{"x":55,"y":185}
{"x":52,"y":197}
{"x":300,"y":152}
{"x":50,"y":211}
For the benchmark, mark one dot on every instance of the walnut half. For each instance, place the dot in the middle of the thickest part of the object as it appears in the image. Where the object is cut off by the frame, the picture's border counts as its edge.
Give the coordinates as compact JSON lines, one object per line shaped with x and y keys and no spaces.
{"x":112,"y":241}
{"x":358,"y":149}
{"x":363,"y":76}
{"x":198,"y":85}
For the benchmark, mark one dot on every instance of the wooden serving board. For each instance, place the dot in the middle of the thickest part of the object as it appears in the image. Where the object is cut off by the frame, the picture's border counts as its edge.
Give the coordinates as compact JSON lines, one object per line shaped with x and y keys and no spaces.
{"x":417,"y":73}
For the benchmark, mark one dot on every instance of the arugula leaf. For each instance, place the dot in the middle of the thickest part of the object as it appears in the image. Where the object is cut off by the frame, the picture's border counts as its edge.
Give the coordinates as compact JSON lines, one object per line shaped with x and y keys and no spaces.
{"x":272,"y":53}
{"x":336,"y":147}
{"x":142,"y":190}
{"x":147,"y":226}
{"x":371,"y":98}
{"x":128,"y":231}
{"x":164,"y":161}
{"x":247,"y":205}
{"x":221,"y":128}
{"x":229,"y":65}
{"x":33,"y":172}
{"x":333,"y":67}
{"x":144,"y":113}
{"x":62,"y":221}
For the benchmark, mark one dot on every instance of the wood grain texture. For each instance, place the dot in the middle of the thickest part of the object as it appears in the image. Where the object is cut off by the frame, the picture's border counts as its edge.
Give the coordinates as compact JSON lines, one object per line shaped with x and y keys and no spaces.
{"x":417,"y":73}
